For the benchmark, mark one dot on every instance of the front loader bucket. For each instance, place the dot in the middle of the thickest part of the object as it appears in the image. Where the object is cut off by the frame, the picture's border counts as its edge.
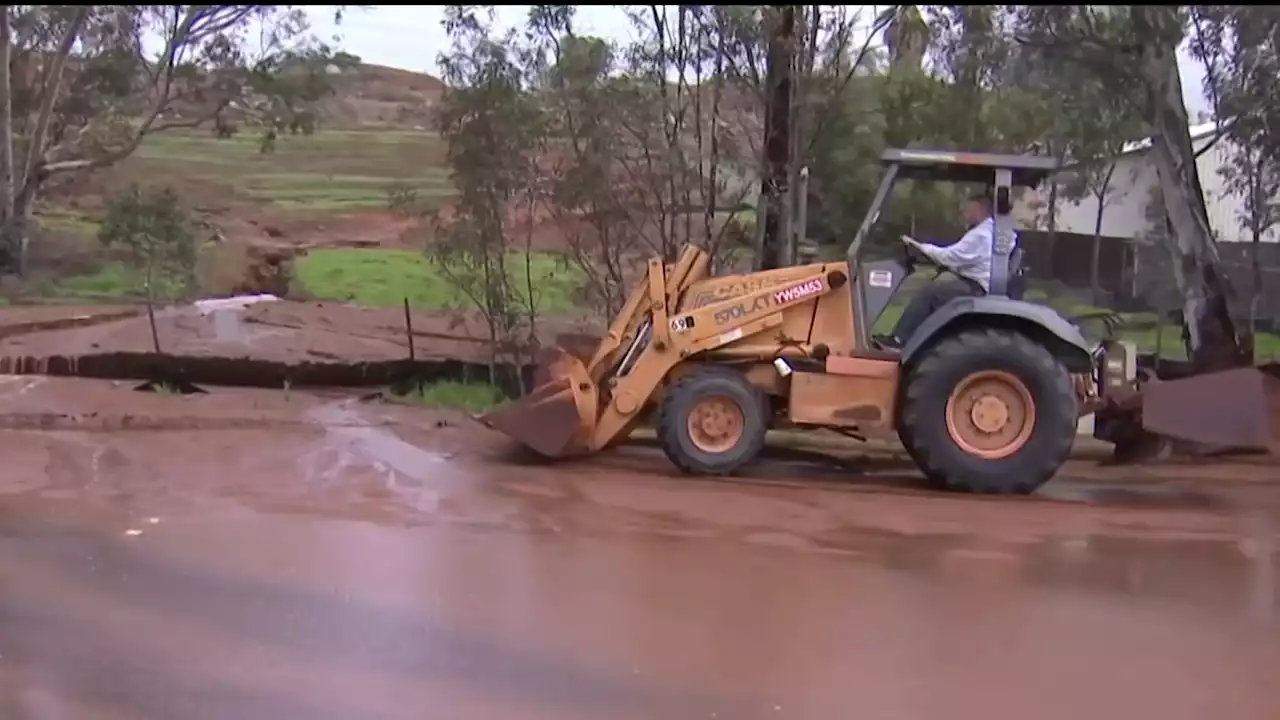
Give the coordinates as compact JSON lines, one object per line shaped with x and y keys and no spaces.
{"x":579,"y":345}
{"x":554,"y":420}
{"x":1235,"y":409}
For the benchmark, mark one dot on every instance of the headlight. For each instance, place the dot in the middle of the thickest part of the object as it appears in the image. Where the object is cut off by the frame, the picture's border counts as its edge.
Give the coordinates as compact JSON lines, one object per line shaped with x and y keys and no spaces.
{"x":1116,"y":365}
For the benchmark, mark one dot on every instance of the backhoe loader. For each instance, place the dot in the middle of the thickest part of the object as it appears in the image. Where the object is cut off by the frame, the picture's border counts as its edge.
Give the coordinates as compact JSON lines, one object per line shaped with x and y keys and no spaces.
{"x":985,"y":396}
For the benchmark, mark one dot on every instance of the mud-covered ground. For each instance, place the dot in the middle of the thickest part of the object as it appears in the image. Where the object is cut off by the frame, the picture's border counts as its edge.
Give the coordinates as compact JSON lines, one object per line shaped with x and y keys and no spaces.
{"x":261,"y":554}
{"x":278,"y":331}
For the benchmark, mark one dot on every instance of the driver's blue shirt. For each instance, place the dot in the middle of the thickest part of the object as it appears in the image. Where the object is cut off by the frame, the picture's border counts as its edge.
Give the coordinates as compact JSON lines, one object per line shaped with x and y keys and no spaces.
{"x":970,"y":256}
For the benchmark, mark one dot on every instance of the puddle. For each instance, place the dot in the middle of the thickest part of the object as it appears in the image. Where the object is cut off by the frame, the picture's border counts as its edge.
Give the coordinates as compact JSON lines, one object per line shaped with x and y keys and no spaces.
{"x":239,"y":302}
{"x":227,"y":326}
{"x":1153,"y":496}
{"x":351,"y":443}
{"x":1235,"y":576}
{"x":13,"y":386}
{"x":1262,"y":549}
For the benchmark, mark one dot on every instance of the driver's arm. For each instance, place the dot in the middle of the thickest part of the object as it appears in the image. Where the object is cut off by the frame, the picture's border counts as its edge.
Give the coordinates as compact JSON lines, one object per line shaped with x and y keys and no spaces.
{"x":969,"y":250}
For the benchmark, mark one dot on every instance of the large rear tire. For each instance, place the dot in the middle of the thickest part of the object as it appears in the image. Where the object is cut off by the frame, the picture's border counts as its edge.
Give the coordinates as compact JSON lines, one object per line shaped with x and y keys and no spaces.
{"x":988,"y":411}
{"x":712,"y":422}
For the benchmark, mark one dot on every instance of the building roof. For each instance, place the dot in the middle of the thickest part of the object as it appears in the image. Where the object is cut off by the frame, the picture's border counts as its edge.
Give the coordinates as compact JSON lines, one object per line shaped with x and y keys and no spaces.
{"x":1198,"y":132}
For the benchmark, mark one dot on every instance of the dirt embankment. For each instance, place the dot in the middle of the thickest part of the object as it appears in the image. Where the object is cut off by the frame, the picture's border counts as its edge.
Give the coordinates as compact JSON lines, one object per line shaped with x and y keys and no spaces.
{"x":27,"y":319}
{"x":268,"y":344}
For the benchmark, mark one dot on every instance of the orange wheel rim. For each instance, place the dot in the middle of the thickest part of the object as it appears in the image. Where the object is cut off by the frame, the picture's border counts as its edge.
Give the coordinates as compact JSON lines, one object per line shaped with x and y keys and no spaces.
{"x":991,"y":415}
{"x":716,"y":424}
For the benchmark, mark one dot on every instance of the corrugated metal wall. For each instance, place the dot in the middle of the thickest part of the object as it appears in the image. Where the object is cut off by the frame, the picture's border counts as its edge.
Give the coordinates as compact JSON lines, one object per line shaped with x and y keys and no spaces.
{"x":1226,"y":209}
{"x":1134,"y":177}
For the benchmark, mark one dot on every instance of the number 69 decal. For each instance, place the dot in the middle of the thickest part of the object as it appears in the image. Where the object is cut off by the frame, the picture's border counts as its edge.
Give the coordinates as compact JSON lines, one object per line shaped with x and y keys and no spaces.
{"x":681,"y":324}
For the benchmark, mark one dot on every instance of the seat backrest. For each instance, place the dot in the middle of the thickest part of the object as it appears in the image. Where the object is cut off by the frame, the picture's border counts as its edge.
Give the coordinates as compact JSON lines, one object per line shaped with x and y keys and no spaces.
{"x":1015,"y":262}
{"x":1004,"y":242}
{"x":1017,"y":277}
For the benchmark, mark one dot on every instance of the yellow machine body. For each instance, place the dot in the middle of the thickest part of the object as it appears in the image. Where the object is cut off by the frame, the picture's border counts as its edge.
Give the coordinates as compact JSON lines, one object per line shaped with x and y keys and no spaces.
{"x":679,"y":316}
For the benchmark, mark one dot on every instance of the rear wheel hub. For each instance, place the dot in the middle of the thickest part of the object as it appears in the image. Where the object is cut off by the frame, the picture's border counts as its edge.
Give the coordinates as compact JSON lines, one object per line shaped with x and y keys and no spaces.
{"x":990,"y":414}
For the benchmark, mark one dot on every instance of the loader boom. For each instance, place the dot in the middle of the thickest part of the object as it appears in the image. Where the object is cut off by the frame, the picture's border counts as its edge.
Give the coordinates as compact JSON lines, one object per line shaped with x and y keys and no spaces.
{"x":583,"y":408}
{"x":669,"y":335}
{"x":692,"y":266}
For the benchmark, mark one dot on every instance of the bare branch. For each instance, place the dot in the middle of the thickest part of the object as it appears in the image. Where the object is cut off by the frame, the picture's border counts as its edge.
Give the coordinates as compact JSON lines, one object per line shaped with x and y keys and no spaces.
{"x":52,"y":88}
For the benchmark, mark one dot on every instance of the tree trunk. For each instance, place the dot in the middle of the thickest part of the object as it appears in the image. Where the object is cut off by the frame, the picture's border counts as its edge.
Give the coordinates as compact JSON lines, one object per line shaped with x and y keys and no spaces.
{"x":1053,"y":213}
{"x":1096,"y":261}
{"x":1052,"y":225}
{"x":1255,"y":263}
{"x":17,"y":227}
{"x":1214,"y":336}
{"x":759,"y":240}
{"x":25,"y":182}
{"x":1258,"y":208}
{"x":9,"y":244}
{"x":775,"y":183}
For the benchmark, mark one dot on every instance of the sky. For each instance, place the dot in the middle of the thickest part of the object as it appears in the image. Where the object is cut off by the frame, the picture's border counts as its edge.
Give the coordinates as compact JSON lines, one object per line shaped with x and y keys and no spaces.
{"x":411,"y":36}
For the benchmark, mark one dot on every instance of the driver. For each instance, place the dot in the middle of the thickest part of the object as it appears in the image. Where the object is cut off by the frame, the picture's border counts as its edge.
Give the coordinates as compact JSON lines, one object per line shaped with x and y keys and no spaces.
{"x":968,"y":259}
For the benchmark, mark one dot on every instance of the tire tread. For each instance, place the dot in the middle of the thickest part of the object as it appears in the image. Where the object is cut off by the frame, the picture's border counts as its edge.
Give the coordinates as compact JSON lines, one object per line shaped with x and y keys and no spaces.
{"x":1059,"y":407}
{"x":671,"y":421}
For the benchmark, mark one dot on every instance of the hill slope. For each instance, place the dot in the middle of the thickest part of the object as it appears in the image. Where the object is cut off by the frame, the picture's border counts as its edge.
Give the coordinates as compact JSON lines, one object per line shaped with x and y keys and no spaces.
{"x":375,"y":96}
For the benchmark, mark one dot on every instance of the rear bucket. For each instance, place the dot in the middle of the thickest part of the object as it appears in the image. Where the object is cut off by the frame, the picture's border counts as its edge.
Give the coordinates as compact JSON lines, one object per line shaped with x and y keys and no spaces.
{"x":555,"y":419}
{"x":1235,"y":409}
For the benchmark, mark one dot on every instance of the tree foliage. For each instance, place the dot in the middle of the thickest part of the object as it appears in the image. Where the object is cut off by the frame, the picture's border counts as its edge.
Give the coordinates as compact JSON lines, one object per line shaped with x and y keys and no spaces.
{"x":1240,"y":45}
{"x":1131,"y":52}
{"x":1240,"y":48}
{"x":633,"y":148}
{"x":493,"y":128}
{"x":82,"y":87}
{"x":154,"y":231}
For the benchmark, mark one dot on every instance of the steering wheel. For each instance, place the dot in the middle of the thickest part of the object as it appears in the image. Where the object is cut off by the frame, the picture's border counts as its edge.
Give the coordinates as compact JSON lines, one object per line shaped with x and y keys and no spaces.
{"x":913,"y":258}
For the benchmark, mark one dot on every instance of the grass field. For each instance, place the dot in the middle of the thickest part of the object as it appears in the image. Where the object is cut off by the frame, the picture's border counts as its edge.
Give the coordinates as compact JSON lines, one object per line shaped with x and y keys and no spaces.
{"x":68,"y":221}
{"x":306,"y":176}
{"x":385,"y":277}
{"x":114,"y":282}
{"x":328,"y":171}
{"x":472,"y":397}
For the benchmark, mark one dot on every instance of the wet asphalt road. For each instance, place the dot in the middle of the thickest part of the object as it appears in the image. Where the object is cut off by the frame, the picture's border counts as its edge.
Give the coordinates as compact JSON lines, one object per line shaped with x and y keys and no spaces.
{"x":242,"y":615}
{"x":595,"y":592}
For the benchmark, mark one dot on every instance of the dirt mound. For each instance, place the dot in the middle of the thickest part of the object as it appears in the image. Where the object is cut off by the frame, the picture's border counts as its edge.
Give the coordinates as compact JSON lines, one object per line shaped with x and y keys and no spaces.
{"x":270,"y":344}
{"x":374,"y":95}
{"x":91,"y":405}
{"x":363,"y":96}
{"x":234,"y":269}
{"x":454,"y":335}
{"x":279,"y":332}
{"x":191,"y":371}
{"x":26,"y":319}
{"x":221,"y":347}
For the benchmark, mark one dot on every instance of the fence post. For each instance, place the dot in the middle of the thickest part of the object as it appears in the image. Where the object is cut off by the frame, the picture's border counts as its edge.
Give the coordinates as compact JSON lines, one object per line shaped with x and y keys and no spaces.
{"x":408,"y":331}
{"x":151,"y":318}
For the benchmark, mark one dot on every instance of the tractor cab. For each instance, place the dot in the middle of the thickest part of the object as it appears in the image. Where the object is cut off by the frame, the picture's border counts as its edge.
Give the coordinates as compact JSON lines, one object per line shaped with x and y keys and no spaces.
{"x":880,"y":280}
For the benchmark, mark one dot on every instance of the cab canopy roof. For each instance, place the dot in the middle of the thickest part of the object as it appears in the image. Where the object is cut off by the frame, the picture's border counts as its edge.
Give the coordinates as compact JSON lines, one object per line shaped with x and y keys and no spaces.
{"x":968,"y":167}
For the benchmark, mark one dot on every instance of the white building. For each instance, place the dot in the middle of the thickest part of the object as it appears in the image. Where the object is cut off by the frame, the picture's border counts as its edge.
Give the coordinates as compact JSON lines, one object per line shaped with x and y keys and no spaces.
{"x":1125,"y":210}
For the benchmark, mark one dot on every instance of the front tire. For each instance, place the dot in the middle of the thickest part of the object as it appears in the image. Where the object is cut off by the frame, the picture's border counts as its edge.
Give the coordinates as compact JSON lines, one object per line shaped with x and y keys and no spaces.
{"x":712,"y":422}
{"x":989,"y":411}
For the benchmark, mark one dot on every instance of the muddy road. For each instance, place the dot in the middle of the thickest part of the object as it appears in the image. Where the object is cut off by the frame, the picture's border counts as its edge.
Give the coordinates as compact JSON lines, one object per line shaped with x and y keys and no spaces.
{"x":250,"y":554}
